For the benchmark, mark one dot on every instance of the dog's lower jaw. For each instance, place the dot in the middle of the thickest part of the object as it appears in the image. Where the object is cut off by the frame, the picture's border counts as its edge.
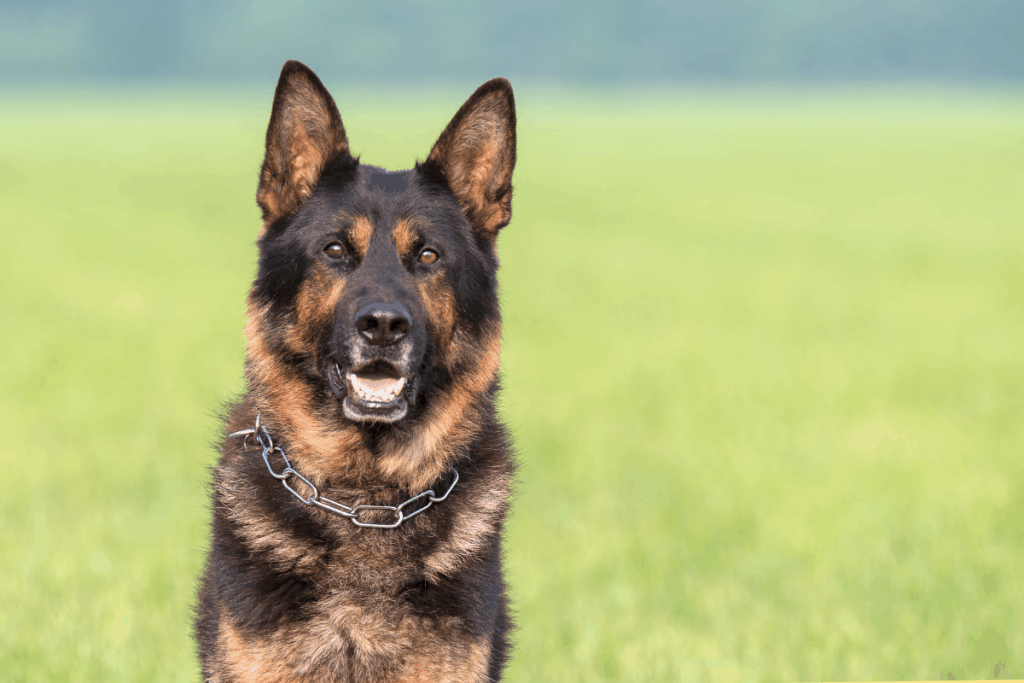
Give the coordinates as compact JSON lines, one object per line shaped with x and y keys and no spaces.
{"x":363,"y":409}
{"x":369,"y":412}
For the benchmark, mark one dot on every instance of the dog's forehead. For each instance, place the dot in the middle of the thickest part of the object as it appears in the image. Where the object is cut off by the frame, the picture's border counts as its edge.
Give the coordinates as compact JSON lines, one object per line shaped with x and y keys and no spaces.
{"x":386,"y":182}
{"x":380,"y":207}
{"x":380,"y":196}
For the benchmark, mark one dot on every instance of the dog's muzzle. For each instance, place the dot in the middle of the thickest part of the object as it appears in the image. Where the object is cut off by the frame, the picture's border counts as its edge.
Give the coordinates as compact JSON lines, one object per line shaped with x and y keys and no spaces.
{"x":382,"y":349}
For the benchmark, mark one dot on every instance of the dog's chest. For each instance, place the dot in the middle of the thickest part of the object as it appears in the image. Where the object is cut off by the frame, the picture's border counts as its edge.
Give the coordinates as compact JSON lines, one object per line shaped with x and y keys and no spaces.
{"x":354,"y":633}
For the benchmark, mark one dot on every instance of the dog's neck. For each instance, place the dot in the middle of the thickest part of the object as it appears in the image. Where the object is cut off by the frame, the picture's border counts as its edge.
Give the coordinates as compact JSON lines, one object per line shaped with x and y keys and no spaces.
{"x":329,"y":449}
{"x":411,"y":457}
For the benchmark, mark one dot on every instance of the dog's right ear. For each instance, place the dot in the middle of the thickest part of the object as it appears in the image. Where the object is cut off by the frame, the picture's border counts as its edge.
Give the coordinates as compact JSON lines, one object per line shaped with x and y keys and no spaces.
{"x":476,"y":154}
{"x":304,"y":135}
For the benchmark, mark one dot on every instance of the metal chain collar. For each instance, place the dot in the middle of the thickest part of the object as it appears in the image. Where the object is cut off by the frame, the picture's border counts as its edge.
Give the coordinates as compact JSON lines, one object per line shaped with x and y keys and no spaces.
{"x":324,"y":503}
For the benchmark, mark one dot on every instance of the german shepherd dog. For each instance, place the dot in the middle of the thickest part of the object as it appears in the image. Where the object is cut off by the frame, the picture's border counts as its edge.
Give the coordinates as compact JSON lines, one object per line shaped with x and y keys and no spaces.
{"x":360,"y":496}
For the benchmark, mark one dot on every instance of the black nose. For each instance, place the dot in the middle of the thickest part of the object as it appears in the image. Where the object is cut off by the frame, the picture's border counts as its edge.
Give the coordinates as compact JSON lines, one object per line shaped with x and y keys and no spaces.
{"x":383,"y":324}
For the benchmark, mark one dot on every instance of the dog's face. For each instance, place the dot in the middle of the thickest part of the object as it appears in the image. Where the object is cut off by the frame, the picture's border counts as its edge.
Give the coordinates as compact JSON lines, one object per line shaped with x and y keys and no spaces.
{"x":375,"y":304}
{"x":372,"y":277}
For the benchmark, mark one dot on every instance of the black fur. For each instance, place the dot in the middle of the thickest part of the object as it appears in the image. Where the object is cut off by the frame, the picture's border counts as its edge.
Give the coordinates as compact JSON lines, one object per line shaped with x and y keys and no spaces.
{"x":294,"y":593}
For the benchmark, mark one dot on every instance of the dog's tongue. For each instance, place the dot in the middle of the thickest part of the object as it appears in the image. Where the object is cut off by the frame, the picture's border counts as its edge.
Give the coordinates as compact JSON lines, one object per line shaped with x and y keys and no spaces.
{"x":376,"y":382}
{"x":376,"y":386}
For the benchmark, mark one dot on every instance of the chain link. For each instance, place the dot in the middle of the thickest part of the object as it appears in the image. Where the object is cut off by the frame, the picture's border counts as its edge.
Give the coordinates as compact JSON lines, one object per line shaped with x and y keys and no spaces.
{"x":314,"y":497}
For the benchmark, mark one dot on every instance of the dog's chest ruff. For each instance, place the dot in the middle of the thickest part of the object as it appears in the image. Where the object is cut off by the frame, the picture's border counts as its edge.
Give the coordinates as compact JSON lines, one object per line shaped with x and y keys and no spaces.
{"x":310,"y":495}
{"x":363,"y":540}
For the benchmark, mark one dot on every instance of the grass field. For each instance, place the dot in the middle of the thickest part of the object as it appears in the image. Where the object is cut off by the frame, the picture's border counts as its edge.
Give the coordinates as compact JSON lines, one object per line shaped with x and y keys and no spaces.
{"x":763,"y":361}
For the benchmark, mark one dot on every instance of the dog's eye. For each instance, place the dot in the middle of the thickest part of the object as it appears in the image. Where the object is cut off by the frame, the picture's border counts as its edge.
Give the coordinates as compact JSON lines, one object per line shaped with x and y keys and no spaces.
{"x":334,"y":250}
{"x":428,"y":256}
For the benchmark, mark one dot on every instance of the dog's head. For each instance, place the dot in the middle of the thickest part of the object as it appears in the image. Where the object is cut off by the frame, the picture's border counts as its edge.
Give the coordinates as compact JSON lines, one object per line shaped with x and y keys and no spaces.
{"x":374,"y":310}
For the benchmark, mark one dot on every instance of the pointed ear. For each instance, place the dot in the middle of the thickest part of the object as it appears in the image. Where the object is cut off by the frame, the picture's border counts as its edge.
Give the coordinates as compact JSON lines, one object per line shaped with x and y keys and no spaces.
{"x":304,"y":135}
{"x":475,"y":156}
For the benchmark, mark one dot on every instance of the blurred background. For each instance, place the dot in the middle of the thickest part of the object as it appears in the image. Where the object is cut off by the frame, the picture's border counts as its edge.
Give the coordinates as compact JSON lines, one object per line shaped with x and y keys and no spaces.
{"x":649,"y":40}
{"x":763,"y":295}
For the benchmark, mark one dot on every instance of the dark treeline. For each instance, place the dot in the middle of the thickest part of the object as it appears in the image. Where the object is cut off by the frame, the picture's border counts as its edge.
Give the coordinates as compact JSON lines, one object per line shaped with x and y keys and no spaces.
{"x":646,"y":40}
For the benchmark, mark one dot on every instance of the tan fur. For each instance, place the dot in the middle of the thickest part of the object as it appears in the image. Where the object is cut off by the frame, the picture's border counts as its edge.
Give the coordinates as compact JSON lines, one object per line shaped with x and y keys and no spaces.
{"x":269,"y":197}
{"x":307,"y":160}
{"x":448,"y":425}
{"x":405,"y":236}
{"x":468,"y":665}
{"x":291,"y":592}
{"x":477,"y":159}
{"x":440,"y":304}
{"x":320,"y":443}
{"x":262,"y":533}
{"x":243,"y":660}
{"x":305,"y":133}
{"x":325,"y":450}
{"x":314,"y":309}
{"x":359,"y":235}
{"x":416,"y":652}
{"x":328,"y":449}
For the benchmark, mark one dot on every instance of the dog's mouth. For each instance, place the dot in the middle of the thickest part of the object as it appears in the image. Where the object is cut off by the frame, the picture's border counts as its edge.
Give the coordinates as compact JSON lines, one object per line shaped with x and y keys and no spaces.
{"x":373,"y":393}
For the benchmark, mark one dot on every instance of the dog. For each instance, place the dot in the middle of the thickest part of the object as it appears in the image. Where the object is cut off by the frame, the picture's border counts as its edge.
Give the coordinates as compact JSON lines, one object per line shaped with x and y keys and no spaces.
{"x":361,"y":492}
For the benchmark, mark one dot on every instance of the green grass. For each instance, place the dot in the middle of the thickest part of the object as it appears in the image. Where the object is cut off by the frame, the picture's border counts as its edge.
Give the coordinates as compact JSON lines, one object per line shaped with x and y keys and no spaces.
{"x":762,"y":360}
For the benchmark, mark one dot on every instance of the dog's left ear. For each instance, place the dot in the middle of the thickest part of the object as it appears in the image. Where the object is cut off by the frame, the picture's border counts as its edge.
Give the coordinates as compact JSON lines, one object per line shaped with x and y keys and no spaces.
{"x":475,"y":156}
{"x":304,"y":135}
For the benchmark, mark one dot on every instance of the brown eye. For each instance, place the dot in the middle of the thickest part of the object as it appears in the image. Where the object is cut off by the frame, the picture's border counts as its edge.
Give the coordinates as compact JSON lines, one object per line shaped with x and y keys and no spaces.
{"x":428,"y":256}
{"x":334,"y":250}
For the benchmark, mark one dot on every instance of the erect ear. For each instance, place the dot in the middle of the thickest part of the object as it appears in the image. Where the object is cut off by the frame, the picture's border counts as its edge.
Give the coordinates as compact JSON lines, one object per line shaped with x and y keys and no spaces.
{"x":304,"y":135}
{"x":475,"y":156}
